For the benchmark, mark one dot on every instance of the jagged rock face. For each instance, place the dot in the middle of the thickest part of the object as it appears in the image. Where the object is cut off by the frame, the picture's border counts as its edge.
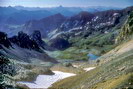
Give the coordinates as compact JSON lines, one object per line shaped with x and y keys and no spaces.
{"x":77,"y":21}
{"x":36,"y":36}
{"x":99,"y":22}
{"x":45,"y":25}
{"x":4,"y":40}
{"x":24,"y":41}
{"x":23,"y":48}
{"x":6,"y":68}
{"x":86,"y":21}
{"x":59,"y":43}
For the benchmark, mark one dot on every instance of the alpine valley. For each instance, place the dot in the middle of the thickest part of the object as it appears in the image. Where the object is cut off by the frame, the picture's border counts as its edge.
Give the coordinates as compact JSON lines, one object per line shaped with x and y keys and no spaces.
{"x":93,"y":44}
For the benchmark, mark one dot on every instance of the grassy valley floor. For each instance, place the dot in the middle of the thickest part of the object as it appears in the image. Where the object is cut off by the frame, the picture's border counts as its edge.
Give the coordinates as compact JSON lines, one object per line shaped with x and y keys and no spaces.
{"x":115,"y":71}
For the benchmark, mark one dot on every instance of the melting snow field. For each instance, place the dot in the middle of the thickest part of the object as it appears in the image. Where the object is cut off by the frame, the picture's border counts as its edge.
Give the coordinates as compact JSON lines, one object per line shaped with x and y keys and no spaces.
{"x":45,"y":81}
{"x":88,"y":69}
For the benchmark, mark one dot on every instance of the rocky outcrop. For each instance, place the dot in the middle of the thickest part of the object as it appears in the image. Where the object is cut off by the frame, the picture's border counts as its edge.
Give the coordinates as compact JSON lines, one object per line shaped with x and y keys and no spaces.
{"x":4,"y":40}
{"x":24,"y":41}
{"x":23,"y":48}
{"x":36,"y":37}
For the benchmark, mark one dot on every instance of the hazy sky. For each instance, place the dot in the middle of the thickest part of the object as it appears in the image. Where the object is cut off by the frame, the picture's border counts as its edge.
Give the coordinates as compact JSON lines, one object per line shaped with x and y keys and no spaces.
{"x":67,"y":3}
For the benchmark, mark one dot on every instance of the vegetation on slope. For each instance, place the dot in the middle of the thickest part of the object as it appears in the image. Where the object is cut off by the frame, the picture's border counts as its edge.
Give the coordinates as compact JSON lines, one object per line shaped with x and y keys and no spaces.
{"x":117,"y":73}
{"x":12,"y":71}
{"x":29,"y":72}
{"x":98,"y":44}
{"x":127,"y":30}
{"x":114,"y":72}
{"x":72,"y":53}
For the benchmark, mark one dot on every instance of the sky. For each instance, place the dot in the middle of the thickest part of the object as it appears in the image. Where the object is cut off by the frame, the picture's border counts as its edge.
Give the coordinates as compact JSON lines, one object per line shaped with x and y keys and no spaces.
{"x":66,"y":3}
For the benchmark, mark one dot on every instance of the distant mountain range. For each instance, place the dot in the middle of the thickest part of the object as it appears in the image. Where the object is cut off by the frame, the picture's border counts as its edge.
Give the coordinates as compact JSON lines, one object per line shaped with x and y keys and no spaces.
{"x":10,"y":15}
{"x":58,"y":23}
{"x":59,"y":29}
{"x":67,"y":11}
{"x":20,"y":14}
{"x":13,"y":18}
{"x":53,"y":21}
{"x":73,"y":9}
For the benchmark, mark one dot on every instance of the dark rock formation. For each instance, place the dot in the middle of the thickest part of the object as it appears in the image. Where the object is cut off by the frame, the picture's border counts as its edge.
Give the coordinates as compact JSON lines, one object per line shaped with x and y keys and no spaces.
{"x":4,"y":40}
{"x":36,"y":37}
{"x":24,"y":41}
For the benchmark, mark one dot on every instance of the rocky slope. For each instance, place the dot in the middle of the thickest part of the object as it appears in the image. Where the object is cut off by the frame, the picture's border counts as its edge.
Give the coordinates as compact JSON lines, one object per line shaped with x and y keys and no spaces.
{"x":45,"y":25}
{"x":23,"y":48}
{"x":97,"y":22}
{"x":127,"y":30}
{"x":98,"y":29}
{"x":114,"y":70}
{"x":7,"y":69}
{"x":22,"y":59}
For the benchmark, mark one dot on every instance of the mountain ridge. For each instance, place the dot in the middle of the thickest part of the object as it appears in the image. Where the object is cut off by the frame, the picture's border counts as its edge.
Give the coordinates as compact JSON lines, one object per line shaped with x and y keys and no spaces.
{"x":23,"y":48}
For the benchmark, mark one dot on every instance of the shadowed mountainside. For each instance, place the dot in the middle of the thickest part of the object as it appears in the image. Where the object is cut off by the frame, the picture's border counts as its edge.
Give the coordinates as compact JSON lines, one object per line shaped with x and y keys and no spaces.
{"x":22,"y":48}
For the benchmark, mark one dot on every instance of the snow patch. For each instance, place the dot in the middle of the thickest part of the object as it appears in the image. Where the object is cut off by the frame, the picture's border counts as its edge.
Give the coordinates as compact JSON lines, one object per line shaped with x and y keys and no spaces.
{"x":88,"y":22}
{"x":76,"y":23}
{"x":52,"y":33}
{"x":75,"y":29}
{"x":95,"y":19}
{"x":45,"y":81}
{"x":54,"y":36}
{"x":88,"y":69}
{"x":78,"y":33}
{"x":115,"y":14}
{"x":76,"y":66}
{"x":106,"y":32}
